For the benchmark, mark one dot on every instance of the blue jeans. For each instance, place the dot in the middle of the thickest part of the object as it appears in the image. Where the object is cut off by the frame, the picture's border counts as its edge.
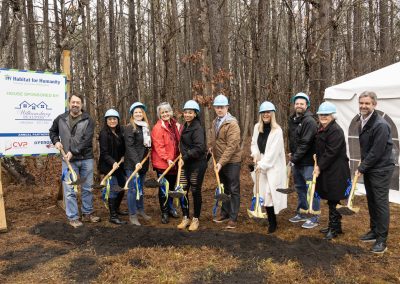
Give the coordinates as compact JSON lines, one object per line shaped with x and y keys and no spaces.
{"x":84,"y":169}
{"x":113,"y":183}
{"x":134,"y":204}
{"x":302,"y":175}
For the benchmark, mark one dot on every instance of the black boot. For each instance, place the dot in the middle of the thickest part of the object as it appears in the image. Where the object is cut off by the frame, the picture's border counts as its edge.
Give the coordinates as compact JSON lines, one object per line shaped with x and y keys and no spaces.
{"x":272,"y":224}
{"x":112,"y":202}
{"x":330,"y":234}
{"x":163,"y":207}
{"x":335,"y":224}
{"x":120,"y":196}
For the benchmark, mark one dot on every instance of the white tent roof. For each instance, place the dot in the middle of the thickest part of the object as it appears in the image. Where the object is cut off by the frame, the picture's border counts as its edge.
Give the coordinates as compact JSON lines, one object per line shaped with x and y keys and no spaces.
{"x":385,"y":82}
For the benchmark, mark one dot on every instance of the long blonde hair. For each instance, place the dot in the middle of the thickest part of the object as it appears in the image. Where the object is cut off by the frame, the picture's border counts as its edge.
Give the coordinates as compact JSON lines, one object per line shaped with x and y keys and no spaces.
{"x":132,"y":120}
{"x":274,"y":124}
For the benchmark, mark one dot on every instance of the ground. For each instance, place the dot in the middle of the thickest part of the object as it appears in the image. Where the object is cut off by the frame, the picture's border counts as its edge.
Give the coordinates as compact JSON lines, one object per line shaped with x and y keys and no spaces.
{"x":40,"y":247}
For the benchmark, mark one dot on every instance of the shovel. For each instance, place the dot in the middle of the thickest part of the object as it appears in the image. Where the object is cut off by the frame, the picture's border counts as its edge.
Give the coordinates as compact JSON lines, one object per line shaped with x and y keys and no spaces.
{"x":311,"y":192}
{"x":156,"y":182}
{"x":178,"y":192}
{"x":102,"y":184}
{"x":136,"y":171}
{"x":75,"y":179}
{"x":219,"y":191}
{"x":288,"y":189}
{"x":349,"y":209}
{"x":257,"y":212}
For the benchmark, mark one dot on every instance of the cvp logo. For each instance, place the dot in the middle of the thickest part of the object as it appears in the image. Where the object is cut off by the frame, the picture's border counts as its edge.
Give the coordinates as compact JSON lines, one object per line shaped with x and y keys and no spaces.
{"x":16,"y":145}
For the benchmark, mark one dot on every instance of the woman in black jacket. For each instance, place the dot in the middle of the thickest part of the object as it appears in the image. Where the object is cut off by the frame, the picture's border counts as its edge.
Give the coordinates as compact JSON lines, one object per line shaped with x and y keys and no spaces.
{"x":332,"y":170}
{"x":193,"y":150}
{"x":137,"y":145}
{"x":112,"y":149}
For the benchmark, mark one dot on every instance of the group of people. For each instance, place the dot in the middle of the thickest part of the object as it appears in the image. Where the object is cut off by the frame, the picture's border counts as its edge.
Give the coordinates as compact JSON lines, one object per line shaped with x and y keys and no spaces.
{"x":317,"y":148}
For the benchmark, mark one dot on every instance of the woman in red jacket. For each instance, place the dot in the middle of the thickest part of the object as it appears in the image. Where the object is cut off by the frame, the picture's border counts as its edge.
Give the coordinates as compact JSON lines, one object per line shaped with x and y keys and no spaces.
{"x":165,"y":149}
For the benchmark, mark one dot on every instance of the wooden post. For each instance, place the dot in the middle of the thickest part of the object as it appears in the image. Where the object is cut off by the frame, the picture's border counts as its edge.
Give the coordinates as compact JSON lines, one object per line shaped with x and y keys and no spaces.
{"x":3,"y":222}
{"x":66,"y":69}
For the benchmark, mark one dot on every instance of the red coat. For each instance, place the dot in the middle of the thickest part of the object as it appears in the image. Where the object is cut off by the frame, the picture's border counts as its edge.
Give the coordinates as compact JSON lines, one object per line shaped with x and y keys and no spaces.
{"x":165,"y":143}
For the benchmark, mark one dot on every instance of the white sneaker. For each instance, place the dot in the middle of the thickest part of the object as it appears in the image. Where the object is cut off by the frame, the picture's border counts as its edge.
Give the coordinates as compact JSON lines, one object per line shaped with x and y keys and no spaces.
{"x":194,"y":225}
{"x":309,"y":224}
{"x":144,"y":215}
{"x":134,"y":220}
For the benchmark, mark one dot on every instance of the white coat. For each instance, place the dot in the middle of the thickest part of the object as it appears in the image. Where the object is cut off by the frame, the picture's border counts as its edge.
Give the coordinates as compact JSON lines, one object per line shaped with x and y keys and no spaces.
{"x":273,"y":168}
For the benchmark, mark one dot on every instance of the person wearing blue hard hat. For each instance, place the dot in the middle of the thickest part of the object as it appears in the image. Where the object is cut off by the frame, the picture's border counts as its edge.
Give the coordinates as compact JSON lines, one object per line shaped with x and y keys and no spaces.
{"x":332,"y":170}
{"x":302,"y":130}
{"x":112,"y":149}
{"x":225,"y":147}
{"x":193,"y":149}
{"x":268,"y":153}
{"x":137,"y":145}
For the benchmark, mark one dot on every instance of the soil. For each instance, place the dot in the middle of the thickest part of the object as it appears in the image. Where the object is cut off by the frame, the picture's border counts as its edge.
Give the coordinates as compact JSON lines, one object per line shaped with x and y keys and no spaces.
{"x":41,"y":247}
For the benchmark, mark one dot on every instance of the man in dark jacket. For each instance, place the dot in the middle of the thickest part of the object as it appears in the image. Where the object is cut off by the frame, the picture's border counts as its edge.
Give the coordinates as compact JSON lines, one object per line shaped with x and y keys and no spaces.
{"x":377,"y":165}
{"x":302,"y":131}
{"x":73,"y":132}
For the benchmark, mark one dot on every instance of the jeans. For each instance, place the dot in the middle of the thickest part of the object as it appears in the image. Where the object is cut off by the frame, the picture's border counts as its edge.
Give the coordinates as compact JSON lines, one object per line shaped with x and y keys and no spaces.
{"x":230,"y":177}
{"x":377,"y":189}
{"x":134,"y":204}
{"x":84,"y":169}
{"x":117,"y":182}
{"x":302,"y":175}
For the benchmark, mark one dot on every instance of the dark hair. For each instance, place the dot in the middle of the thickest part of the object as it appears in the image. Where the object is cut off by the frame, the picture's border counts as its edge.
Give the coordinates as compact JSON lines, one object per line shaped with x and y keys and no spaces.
{"x":118,"y":129}
{"x":78,"y":96}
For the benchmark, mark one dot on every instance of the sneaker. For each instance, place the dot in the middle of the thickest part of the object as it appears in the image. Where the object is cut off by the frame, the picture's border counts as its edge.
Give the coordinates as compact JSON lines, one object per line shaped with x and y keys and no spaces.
{"x":75,"y":223}
{"x":173,"y":213}
{"x":379,"y":247}
{"x":134,"y":220}
{"x":90,"y":218}
{"x":221,"y":219}
{"x":185,"y":222}
{"x":144,"y":215}
{"x":194,"y":225}
{"x":297,"y":218}
{"x":309,"y":224}
{"x":231,"y":225}
{"x":368,"y":237}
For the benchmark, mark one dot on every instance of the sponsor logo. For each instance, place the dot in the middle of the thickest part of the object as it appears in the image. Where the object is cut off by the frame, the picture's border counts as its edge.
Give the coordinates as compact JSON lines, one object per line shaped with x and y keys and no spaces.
{"x":46,"y":143}
{"x":33,"y":111}
{"x":15,"y":145}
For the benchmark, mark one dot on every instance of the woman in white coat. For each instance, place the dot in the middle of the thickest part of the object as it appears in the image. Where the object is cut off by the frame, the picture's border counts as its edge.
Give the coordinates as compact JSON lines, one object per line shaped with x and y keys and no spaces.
{"x":268,"y":152}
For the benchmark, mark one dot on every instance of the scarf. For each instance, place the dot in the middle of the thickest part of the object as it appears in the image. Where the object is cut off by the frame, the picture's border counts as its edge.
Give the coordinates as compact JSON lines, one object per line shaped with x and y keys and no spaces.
{"x":146,"y":132}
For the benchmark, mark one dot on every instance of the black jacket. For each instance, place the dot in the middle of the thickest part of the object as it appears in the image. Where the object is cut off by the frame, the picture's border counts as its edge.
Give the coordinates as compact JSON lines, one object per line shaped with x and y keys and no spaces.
{"x":333,"y":163}
{"x":193,"y":143}
{"x":135,"y":151}
{"x":376,"y":145}
{"x":77,"y":140}
{"x":112,"y":149}
{"x":302,"y":131}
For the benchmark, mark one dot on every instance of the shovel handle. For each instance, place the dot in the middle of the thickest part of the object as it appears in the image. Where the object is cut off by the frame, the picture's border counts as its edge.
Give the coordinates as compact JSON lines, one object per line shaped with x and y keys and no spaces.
{"x":288,"y":172}
{"x":215,"y":170}
{"x":353,"y":189}
{"x":178,"y":177}
{"x":103,"y":181}
{"x":169,"y":168}
{"x":312,"y":192}
{"x":68,"y":163}
{"x":136,"y":170}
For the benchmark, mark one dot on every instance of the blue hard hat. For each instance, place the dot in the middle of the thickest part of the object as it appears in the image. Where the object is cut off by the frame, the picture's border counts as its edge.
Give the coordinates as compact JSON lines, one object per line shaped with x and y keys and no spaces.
{"x":135,"y":105}
{"x":266,"y":106}
{"x":111,"y":112}
{"x":221,"y":100}
{"x":326,"y":108}
{"x":302,"y":96}
{"x":191,"y":104}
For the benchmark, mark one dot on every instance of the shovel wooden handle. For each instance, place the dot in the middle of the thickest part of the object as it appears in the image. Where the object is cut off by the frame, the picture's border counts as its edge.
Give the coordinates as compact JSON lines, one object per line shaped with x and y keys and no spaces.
{"x":353,"y":189}
{"x":136,"y":170}
{"x":288,"y":172}
{"x":68,"y":163}
{"x":169,"y":168}
{"x":215,"y":170}
{"x":178,"y":177}
{"x":103,"y":181}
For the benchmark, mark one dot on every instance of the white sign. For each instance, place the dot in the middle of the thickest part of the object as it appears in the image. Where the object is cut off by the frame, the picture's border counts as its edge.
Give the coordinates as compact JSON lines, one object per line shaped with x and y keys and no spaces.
{"x":30,"y":101}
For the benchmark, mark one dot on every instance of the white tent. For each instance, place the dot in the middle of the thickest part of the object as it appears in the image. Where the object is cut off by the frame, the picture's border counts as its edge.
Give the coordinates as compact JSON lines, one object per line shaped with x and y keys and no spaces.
{"x":384,"y":82}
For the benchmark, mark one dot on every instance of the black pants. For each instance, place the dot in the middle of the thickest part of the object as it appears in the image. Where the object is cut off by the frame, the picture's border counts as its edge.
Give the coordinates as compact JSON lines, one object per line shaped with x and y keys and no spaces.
{"x":377,"y":189}
{"x":230,"y":177}
{"x":335,"y":218}
{"x":164,"y":204}
{"x":192,"y":180}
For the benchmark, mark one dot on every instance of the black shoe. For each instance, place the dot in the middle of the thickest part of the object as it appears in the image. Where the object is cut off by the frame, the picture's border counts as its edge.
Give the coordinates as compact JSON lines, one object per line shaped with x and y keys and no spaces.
{"x":379,"y":247}
{"x":164,"y":218}
{"x":330,"y":234}
{"x":173,"y":213}
{"x":368,"y":237}
{"x":324,"y":230}
{"x":117,"y":221}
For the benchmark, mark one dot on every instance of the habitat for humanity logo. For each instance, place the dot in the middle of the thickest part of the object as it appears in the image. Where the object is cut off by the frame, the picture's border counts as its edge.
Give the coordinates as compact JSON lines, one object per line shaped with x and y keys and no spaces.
{"x":9,"y":145}
{"x":33,"y":111}
{"x":24,"y":79}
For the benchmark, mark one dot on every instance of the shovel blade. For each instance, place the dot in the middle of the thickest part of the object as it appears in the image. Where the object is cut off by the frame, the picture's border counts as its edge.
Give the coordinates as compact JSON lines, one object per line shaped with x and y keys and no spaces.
{"x":288,"y":190}
{"x":344,"y":210}
{"x":78,"y":181}
{"x":152,"y":183}
{"x":98,"y":186}
{"x":222,"y":197}
{"x":176,"y":193}
{"x":256,"y":214}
